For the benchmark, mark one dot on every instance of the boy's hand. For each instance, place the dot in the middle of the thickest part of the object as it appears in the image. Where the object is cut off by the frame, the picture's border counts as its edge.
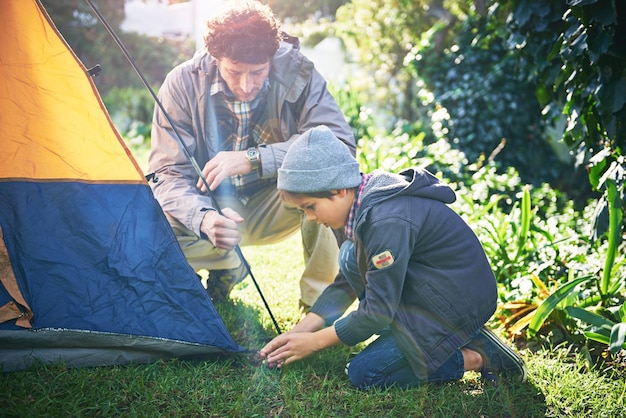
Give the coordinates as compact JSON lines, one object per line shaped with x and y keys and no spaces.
{"x":292,"y":346}
{"x":289,"y":347}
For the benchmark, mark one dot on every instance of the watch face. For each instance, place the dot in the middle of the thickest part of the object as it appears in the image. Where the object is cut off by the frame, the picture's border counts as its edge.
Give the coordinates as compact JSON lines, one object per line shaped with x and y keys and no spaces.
{"x":253,"y":156}
{"x":253,"y":153}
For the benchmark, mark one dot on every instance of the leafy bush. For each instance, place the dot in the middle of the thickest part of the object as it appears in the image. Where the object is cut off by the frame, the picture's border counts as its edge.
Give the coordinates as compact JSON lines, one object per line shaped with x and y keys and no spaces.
{"x":496,"y":86}
{"x":493,"y":112}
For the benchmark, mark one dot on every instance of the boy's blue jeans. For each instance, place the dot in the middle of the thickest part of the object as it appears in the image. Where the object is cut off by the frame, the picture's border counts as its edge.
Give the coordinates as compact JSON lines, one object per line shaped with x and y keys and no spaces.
{"x":382,"y":363}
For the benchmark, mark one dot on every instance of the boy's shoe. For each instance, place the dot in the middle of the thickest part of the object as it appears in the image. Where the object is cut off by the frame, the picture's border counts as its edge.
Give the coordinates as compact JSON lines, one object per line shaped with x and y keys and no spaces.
{"x":498,"y":358}
{"x":221,"y":282}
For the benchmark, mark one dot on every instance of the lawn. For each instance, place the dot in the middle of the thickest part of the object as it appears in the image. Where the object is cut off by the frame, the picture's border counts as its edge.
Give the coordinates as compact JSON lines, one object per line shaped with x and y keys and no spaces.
{"x":559,"y":384}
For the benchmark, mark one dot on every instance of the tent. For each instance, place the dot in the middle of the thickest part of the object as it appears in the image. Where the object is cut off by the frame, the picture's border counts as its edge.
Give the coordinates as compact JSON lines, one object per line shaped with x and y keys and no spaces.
{"x":91,"y":273}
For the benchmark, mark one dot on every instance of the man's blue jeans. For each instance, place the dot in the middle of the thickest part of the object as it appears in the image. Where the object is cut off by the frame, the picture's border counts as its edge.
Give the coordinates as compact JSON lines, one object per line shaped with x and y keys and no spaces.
{"x":382,"y":363}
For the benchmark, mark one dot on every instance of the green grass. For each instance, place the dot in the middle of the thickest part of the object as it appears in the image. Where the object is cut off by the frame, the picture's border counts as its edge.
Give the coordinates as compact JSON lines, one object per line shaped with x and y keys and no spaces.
{"x":559,"y":384}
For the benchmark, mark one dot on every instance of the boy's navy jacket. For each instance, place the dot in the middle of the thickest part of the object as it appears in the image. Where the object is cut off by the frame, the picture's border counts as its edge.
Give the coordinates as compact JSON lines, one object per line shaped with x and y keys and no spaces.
{"x":425,"y":274}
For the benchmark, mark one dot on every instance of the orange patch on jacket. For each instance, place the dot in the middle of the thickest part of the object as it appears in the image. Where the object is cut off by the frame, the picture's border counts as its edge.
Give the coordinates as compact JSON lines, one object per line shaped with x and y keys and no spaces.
{"x":383,"y":259}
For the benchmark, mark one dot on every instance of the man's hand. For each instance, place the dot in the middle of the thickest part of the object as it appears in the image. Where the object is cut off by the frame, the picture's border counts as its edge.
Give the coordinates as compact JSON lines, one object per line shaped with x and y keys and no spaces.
{"x":222,"y":230}
{"x":222,"y":166}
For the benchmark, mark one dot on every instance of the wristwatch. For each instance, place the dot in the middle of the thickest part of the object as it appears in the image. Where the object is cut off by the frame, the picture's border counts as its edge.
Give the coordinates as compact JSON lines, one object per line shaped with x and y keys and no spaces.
{"x":252,"y":154}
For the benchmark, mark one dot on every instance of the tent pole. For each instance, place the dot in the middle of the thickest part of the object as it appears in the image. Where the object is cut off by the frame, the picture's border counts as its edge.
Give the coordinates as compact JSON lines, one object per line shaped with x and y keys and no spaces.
{"x":193,"y":161}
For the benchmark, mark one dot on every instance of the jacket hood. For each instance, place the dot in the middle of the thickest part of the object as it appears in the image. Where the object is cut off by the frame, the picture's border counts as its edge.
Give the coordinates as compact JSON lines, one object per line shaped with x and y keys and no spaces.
{"x":415,"y":182}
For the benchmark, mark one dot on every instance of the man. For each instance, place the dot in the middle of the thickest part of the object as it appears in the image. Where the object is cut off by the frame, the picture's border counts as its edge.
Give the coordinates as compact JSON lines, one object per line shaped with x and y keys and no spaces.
{"x":238,"y":105}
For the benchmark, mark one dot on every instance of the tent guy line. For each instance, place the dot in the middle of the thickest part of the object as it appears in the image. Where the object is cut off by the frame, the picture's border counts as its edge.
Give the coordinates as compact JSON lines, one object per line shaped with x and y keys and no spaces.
{"x":186,"y":150}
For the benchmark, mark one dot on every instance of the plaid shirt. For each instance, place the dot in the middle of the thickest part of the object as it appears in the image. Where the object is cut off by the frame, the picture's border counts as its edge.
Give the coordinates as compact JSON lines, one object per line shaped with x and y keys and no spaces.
{"x":349,"y":228}
{"x":242,"y":125}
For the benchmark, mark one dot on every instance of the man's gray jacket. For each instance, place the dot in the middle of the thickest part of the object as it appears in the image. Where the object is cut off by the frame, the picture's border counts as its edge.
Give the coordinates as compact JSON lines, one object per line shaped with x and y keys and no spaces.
{"x":298,"y":100}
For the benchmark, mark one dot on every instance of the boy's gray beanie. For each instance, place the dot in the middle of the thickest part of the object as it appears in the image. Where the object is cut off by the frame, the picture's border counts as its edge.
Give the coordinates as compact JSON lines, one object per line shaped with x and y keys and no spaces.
{"x":317,"y":161}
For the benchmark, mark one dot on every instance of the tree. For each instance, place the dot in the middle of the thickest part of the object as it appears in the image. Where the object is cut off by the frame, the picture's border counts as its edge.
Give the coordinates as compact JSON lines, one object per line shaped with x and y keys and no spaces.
{"x":449,"y":52}
{"x":92,"y":43}
{"x":300,"y":11}
{"x":379,"y":34}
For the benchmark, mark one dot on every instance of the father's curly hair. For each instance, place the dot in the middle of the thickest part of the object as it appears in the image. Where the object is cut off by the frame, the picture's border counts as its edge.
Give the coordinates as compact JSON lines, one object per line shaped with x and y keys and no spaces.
{"x":246,"y":31}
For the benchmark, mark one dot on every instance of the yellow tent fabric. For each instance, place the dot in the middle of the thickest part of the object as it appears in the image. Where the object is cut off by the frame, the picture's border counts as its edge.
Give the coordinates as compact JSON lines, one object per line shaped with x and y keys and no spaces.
{"x":50,"y":111}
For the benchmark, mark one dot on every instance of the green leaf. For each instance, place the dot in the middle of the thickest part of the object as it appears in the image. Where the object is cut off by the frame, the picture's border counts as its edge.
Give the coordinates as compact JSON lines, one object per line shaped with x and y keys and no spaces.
{"x":619,"y":99}
{"x":526,"y":214}
{"x":618,"y":335}
{"x":614,"y":233}
{"x":545,"y":309}
{"x":605,"y":16}
{"x":523,"y":13}
{"x":590,"y":318}
{"x":599,"y":44}
{"x":597,"y":164}
{"x":622,"y":312}
{"x":574,"y":3}
{"x":601,"y":338}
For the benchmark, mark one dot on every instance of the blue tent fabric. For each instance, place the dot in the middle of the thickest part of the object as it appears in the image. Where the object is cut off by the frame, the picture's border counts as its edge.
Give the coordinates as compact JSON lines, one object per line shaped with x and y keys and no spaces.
{"x":102,"y":257}
{"x":107,"y":252}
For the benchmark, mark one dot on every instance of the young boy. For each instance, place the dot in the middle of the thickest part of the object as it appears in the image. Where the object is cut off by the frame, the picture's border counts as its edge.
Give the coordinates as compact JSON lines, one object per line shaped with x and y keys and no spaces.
{"x":423,"y":281}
